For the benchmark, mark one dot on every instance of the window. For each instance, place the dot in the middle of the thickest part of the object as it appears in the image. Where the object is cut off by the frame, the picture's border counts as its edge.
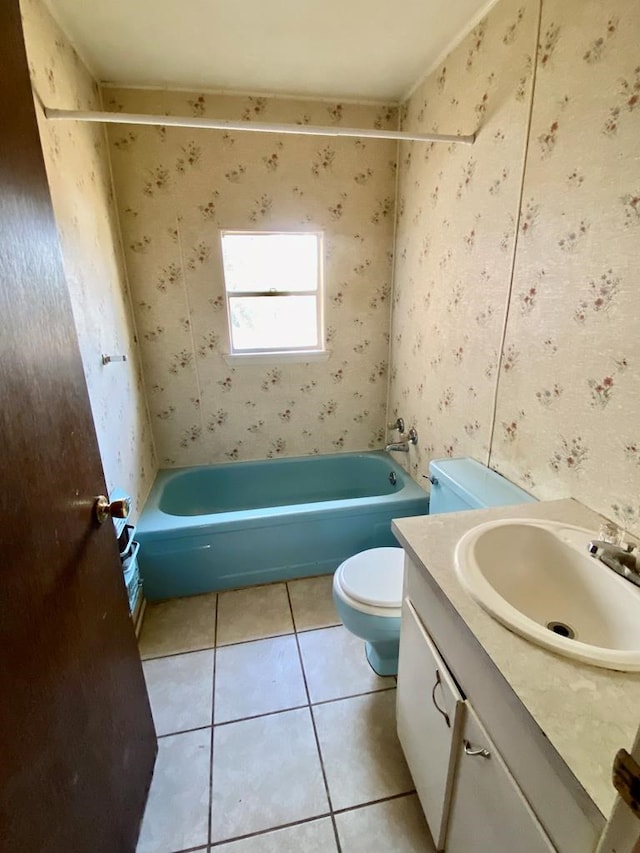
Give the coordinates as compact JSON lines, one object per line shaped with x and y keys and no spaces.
{"x":273,"y":283}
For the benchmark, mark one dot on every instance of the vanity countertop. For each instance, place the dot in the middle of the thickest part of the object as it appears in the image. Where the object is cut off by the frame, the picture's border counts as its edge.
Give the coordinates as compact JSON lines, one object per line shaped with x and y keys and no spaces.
{"x":586,"y":712}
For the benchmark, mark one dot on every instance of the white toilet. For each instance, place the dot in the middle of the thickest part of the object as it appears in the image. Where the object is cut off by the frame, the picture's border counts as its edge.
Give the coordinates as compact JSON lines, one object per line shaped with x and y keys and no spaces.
{"x":367,"y":588}
{"x":367,"y":591}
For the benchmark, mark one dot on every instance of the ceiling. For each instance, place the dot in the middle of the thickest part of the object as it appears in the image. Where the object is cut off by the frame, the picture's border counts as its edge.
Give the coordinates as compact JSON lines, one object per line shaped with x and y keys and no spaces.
{"x":366,"y":49}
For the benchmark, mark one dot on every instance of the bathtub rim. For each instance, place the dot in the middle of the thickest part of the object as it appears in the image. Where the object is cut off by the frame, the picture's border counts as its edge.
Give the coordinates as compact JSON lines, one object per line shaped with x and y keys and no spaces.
{"x":156,"y":521}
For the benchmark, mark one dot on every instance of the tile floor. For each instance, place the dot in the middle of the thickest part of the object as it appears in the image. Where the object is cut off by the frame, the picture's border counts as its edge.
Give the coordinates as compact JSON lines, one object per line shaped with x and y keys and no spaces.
{"x":275,"y":736}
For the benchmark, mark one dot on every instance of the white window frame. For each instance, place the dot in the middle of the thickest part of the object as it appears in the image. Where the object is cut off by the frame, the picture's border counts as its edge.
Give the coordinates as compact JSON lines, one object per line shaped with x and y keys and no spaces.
{"x":297,"y":354}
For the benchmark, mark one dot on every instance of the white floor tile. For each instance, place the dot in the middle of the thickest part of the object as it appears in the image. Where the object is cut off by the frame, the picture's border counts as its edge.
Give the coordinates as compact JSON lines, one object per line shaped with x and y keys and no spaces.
{"x":360,"y":749}
{"x":180,"y":691}
{"x":335,"y":665}
{"x":178,"y":625}
{"x":253,"y":613}
{"x":396,"y":825}
{"x":177,"y":812}
{"x":266,"y":773}
{"x":312,"y":602}
{"x":258,"y":678}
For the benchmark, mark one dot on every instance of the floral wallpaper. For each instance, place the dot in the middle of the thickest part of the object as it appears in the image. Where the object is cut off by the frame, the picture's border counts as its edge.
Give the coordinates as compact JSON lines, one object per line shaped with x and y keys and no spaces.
{"x":455,"y":236}
{"x":553,"y":404}
{"x":176,"y":188}
{"x":567,"y":420}
{"x":77,"y":162}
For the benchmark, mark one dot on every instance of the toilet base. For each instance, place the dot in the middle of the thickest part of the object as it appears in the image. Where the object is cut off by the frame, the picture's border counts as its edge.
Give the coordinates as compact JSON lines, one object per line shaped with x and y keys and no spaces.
{"x":383,"y":657}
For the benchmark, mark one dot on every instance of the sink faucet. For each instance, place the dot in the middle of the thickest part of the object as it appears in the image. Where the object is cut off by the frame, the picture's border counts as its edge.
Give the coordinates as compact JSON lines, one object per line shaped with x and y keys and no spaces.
{"x":403,"y":446}
{"x":622,"y":559}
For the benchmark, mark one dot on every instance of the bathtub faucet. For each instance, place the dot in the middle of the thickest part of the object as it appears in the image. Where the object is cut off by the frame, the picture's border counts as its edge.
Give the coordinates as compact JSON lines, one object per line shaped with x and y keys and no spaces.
{"x":403,"y":446}
{"x":397,"y":425}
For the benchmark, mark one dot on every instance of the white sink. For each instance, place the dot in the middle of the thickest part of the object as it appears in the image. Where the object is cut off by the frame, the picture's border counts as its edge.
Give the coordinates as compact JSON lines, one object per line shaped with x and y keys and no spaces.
{"x":529,"y":575}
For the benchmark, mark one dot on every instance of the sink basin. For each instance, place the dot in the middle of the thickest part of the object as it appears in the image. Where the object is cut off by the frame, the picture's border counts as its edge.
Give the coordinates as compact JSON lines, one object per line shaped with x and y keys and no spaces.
{"x":537,"y":579}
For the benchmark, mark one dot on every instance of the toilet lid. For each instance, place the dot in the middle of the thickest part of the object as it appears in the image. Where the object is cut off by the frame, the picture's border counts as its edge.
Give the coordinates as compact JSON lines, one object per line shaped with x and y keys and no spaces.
{"x":374,"y":576}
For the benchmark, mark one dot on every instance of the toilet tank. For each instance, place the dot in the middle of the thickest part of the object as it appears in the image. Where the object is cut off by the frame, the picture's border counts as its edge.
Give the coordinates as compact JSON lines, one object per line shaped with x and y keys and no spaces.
{"x":467,"y":484}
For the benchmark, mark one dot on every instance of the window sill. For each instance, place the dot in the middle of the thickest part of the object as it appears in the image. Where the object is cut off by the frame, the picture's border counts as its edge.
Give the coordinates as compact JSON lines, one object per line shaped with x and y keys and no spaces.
{"x":236,"y":359}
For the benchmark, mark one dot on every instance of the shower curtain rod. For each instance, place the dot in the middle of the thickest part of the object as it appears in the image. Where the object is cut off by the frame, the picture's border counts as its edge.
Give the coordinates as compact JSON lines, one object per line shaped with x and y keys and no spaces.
{"x":252,"y":126}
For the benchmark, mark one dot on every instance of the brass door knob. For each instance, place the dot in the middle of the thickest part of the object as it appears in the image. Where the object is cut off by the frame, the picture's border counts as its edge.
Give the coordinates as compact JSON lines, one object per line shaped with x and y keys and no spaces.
{"x":105,"y":509}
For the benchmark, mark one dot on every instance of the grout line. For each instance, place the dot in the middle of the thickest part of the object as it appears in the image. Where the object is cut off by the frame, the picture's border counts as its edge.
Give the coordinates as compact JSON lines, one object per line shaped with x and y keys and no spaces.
{"x":311,"y":819}
{"x":213,"y":707}
{"x":279,"y":711}
{"x":375,"y":802}
{"x":516,"y":231}
{"x":352,"y":696}
{"x":293,"y":616}
{"x":319,"y":628}
{"x":315,"y":733}
{"x":253,"y":640}
{"x":260,"y":716}
{"x":260,"y":832}
{"x":216,"y":645}
{"x":177,"y":654}
{"x":183,"y":731}
{"x":276,"y":636}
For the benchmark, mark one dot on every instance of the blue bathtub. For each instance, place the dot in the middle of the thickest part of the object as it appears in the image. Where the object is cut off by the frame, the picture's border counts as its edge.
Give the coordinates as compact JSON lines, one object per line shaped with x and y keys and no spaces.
{"x":237,"y":524}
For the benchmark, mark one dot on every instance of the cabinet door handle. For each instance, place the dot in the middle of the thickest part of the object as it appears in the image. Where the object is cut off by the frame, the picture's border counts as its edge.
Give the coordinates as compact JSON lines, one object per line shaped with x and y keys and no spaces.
{"x":433,"y":699}
{"x":477,"y":750}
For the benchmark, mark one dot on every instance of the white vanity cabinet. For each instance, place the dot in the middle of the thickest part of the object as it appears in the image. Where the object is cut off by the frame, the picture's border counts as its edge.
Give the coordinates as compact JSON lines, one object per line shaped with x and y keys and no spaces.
{"x":488,"y":811}
{"x":429,"y":717}
{"x":484,"y":787}
{"x":469,"y":798}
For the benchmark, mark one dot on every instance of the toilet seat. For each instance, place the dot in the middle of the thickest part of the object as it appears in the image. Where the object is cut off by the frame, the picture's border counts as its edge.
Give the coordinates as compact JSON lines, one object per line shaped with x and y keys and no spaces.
{"x":371,"y":581}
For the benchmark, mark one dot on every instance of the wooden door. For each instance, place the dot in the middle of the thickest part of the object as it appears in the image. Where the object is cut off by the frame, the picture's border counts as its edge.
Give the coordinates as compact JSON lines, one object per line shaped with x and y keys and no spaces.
{"x":77,"y":743}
